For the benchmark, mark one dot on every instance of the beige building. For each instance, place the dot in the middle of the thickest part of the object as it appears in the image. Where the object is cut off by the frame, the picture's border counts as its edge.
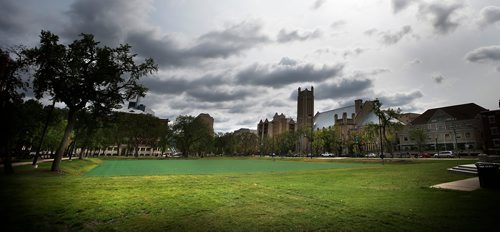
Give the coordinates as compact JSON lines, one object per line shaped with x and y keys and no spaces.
{"x":279,"y":125}
{"x":448,"y":128}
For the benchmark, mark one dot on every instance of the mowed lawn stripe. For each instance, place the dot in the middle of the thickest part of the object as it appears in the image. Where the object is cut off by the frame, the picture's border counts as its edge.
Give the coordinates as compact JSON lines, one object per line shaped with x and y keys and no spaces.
{"x":172,"y":167}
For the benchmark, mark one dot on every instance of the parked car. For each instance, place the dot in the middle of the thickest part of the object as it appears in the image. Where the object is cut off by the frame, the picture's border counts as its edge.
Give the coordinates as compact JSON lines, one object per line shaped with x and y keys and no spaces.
{"x":444,"y":154}
{"x":424,"y":155}
{"x":327,"y":154}
{"x":371,"y":155}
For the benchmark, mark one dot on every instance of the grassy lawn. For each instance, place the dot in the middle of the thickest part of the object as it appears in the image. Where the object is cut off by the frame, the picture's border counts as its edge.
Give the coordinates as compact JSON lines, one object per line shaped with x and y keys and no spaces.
{"x":275,"y":196}
{"x":205,"y":166}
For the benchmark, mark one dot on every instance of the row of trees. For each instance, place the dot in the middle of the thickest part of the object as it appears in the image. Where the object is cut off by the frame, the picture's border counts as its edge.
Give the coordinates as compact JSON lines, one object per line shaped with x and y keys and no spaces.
{"x":83,"y":75}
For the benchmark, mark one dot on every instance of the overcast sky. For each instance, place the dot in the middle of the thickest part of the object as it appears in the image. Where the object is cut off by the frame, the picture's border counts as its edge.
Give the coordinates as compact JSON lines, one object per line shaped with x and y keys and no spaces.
{"x":242,"y":61}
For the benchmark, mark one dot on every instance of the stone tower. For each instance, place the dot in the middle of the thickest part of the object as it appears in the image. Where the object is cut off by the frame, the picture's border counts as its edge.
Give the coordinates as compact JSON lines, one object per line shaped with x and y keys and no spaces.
{"x":305,"y":119}
{"x":305,"y":109}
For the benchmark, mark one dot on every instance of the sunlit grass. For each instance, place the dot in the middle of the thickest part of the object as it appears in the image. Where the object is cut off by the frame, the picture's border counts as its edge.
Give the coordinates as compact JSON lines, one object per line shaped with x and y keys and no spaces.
{"x":376,"y":197}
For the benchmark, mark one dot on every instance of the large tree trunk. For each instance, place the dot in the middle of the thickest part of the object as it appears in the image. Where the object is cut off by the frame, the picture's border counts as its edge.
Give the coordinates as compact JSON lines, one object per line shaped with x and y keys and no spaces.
{"x":45,"y":127}
{"x":56,"y":164}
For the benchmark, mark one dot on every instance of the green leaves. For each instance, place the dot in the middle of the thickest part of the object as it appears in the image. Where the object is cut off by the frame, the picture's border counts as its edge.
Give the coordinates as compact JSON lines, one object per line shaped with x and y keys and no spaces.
{"x":85,"y":74}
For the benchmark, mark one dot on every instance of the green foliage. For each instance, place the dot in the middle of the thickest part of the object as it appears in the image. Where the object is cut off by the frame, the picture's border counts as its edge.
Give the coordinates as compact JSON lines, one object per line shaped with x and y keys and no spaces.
{"x":192,"y":134}
{"x":326,"y":140}
{"x":388,"y":123}
{"x":285,"y":143}
{"x":11,"y":96}
{"x":85,"y":75}
{"x":419,"y":135}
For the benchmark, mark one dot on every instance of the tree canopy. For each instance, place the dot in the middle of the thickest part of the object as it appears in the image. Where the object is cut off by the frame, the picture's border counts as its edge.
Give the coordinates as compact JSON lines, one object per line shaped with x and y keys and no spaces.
{"x":85,"y":75}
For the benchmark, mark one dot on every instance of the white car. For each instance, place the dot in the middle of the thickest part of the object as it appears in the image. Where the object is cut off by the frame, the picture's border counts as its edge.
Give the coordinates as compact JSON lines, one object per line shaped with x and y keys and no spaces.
{"x":444,"y":154}
{"x":327,"y":154}
{"x":371,"y":155}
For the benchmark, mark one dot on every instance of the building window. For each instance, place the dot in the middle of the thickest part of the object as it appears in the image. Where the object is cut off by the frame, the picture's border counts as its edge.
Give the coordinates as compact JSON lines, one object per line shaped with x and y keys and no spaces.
{"x":494,"y":130}
{"x":447,"y":135}
{"x":405,"y":138}
{"x":467,"y":135}
{"x":491,"y":119}
{"x":496,"y":142}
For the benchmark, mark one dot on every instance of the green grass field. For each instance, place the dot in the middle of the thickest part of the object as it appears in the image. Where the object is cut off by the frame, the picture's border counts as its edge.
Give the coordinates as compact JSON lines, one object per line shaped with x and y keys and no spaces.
{"x":205,"y":166}
{"x":314,"y":195}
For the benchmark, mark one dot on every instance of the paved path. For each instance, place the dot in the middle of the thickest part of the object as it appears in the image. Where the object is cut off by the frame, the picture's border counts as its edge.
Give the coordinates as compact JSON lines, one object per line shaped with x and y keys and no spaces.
{"x":469,"y":184}
{"x":30,"y":162}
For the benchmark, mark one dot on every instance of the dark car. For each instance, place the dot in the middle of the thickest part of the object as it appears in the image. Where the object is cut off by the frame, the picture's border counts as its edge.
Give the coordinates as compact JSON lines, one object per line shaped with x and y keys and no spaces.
{"x":424,"y":155}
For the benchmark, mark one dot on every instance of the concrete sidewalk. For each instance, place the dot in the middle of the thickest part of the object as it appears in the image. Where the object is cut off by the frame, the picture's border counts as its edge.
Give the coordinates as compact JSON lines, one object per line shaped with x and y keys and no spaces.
{"x":30,"y":162}
{"x":469,"y":184}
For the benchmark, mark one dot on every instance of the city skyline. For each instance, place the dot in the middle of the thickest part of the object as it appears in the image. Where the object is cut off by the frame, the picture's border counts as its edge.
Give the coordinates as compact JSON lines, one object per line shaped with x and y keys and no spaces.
{"x":242,"y":61}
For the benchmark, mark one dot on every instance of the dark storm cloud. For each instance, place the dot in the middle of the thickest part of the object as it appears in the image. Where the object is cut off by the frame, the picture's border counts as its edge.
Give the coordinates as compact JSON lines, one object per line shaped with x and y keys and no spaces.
{"x":230,"y":41}
{"x":344,"y":88}
{"x":400,"y":99}
{"x":440,"y":15}
{"x":489,"y":15}
{"x":108,"y":20}
{"x":15,"y":22}
{"x":176,"y":85}
{"x":188,"y":105}
{"x":218,"y":94}
{"x":215,"y":44}
{"x":399,"y":5}
{"x":279,"y":76}
{"x":115,"y":21}
{"x":241,"y":107}
{"x":164,"y":51}
{"x":12,"y":18}
{"x":285,"y":36}
{"x":484,"y":54}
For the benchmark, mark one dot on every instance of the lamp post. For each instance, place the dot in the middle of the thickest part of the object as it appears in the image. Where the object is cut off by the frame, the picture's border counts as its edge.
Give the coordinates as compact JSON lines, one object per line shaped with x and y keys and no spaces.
{"x":381,"y":142}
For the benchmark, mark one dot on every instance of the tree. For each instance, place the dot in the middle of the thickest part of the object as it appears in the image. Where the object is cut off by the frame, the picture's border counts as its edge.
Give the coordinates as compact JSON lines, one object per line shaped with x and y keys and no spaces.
{"x":285,"y":142}
{"x":187,"y":131}
{"x":325,"y":140}
{"x":85,"y":75}
{"x":387,"y":123}
{"x":10,"y":96}
{"x":419,"y":135}
{"x":142,"y":129}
